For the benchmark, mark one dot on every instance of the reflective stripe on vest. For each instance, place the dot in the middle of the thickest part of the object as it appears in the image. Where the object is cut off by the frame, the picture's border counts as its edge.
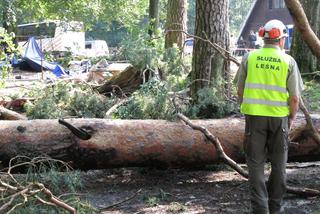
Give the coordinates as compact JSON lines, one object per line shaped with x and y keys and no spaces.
{"x":265,"y":92}
{"x":266,"y":87}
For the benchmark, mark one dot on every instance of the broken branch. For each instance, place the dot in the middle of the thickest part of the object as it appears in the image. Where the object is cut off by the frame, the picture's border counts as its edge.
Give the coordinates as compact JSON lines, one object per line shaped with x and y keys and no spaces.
{"x":6,"y":114}
{"x":215,"y":141}
{"x":304,"y":192}
{"x":313,"y":131}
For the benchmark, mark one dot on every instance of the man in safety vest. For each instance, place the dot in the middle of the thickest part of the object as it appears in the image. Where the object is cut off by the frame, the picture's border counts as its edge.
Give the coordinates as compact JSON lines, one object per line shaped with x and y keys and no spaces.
{"x":269,"y":86}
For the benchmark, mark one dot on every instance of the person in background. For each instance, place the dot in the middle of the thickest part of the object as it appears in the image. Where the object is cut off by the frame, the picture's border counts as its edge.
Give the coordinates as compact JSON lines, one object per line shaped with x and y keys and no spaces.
{"x":269,"y":87}
{"x":241,"y":46}
{"x":232,"y":44}
{"x":252,"y":40}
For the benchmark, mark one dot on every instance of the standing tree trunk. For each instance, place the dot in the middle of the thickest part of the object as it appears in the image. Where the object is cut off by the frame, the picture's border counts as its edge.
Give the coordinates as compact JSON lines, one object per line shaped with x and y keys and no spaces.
{"x":209,"y":69}
{"x":307,"y":62}
{"x":153,"y":16}
{"x":176,"y":20}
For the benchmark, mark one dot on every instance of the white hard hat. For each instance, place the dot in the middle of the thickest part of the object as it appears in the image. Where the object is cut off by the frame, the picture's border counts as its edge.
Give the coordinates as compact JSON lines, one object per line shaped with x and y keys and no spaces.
{"x":273,"y":29}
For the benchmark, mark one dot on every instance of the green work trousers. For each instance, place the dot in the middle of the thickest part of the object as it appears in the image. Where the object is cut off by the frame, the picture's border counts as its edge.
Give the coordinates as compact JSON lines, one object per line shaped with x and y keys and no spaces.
{"x":266,"y":138}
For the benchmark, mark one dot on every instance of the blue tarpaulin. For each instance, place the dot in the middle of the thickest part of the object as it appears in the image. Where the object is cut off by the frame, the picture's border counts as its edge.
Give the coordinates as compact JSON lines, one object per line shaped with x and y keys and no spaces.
{"x":34,"y":57}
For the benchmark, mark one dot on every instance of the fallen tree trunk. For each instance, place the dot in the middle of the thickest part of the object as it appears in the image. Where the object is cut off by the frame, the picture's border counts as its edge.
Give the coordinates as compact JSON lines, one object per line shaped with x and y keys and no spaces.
{"x":121,"y":143}
{"x":6,"y":114}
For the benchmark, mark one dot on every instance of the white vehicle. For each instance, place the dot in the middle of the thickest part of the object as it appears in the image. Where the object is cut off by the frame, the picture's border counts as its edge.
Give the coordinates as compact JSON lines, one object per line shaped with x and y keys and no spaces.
{"x":96,"y":48}
{"x":188,"y":46}
{"x":54,"y":35}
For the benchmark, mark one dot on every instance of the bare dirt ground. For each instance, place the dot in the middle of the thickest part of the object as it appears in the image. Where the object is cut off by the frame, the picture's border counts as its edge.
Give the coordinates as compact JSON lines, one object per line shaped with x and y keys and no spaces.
{"x":211,"y":190}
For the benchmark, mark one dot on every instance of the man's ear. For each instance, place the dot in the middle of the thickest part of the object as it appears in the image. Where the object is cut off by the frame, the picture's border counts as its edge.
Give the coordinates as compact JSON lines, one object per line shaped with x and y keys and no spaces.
{"x":282,"y":42}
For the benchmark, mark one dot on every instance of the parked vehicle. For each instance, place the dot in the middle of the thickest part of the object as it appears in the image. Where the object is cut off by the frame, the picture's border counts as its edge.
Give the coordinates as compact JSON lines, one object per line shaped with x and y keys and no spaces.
{"x":54,"y":35}
{"x":188,"y":46}
{"x":96,"y":48}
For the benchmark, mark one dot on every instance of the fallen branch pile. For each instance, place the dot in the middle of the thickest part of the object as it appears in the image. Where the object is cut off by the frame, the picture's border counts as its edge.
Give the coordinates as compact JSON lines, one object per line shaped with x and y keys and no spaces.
{"x":15,"y":194}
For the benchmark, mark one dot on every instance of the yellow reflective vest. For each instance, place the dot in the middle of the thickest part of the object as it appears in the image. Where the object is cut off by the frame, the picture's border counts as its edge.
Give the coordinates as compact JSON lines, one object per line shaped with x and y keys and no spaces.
{"x":265,"y":92}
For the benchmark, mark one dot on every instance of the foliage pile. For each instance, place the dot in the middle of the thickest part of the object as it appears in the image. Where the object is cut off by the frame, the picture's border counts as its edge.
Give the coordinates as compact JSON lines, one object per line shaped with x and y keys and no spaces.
{"x":67,"y":99}
{"x":154,"y":99}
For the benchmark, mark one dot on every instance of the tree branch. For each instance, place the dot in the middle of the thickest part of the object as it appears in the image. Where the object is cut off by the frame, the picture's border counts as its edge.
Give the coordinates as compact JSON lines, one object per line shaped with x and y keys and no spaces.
{"x":55,"y":200}
{"x":6,"y":114}
{"x":304,"y":192}
{"x":313,"y":131}
{"x":302,"y":25}
{"x":215,"y":141}
{"x":30,"y":190}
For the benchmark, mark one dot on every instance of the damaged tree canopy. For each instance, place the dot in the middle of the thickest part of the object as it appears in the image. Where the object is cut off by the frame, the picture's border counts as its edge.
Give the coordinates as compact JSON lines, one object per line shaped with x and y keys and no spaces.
{"x":121,"y":143}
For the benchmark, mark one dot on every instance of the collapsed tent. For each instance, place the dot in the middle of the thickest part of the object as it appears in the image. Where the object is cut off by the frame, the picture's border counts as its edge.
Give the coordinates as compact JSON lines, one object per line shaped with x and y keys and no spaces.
{"x":35,"y":59}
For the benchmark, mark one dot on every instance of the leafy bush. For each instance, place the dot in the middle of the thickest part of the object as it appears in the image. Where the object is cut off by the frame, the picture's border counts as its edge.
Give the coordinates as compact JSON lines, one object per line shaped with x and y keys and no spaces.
{"x":7,"y":50}
{"x":67,"y":99}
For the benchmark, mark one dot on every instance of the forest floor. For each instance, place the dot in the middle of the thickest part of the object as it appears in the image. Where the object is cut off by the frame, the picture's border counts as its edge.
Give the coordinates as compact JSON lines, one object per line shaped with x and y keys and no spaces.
{"x":214,"y":189}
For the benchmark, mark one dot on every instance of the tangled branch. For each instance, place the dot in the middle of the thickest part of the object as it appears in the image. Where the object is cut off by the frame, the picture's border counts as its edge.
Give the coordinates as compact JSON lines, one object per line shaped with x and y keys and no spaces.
{"x":15,"y":194}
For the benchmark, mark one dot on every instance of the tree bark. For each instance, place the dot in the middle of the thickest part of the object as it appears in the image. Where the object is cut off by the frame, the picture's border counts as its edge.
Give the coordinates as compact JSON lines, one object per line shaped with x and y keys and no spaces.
{"x":6,"y":114}
{"x":122,"y":143}
{"x":176,"y":20}
{"x":153,"y":16}
{"x":307,"y":62}
{"x":125,"y":83}
{"x":209,"y":69}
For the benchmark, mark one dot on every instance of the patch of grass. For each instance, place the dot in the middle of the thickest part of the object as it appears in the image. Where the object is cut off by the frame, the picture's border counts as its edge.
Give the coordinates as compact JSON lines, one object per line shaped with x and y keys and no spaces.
{"x":176,"y":207}
{"x":151,"y":201}
{"x":154,"y":200}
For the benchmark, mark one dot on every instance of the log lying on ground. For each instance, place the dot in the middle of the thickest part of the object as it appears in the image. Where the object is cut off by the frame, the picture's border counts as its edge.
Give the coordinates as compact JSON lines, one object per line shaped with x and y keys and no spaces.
{"x":122,"y":143}
{"x":6,"y":114}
